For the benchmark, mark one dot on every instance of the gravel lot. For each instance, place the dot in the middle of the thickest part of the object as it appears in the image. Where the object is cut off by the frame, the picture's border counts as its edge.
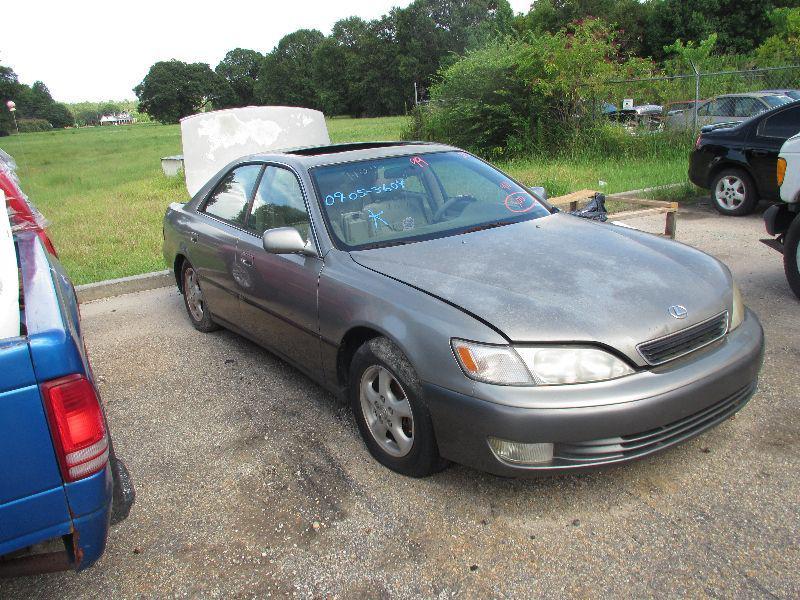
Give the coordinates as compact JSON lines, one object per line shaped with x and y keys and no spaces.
{"x":252,"y":481}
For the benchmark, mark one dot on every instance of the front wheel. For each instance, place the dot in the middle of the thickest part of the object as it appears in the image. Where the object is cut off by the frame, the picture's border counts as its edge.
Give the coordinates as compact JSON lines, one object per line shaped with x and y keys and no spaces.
{"x":390,"y":412}
{"x":734,"y":193}
{"x":791,"y":256}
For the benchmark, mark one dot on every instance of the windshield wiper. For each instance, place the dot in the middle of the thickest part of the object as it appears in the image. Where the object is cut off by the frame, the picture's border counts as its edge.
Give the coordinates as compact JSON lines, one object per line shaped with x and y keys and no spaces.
{"x":489,"y":225}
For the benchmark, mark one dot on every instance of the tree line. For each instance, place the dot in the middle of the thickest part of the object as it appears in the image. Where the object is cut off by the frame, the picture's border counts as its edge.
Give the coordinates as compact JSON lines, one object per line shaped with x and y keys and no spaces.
{"x":370,"y":68}
{"x":36,"y":109}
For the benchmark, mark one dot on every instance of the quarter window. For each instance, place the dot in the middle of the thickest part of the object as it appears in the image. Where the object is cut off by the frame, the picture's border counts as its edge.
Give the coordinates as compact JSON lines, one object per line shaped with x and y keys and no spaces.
{"x":229,"y":199}
{"x":278,"y":203}
{"x":784,"y":125}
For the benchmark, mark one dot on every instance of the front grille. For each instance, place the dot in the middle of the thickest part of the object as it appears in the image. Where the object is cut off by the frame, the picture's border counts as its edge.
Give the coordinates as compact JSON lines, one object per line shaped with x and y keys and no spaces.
{"x":638,"y":444}
{"x":657,"y":352}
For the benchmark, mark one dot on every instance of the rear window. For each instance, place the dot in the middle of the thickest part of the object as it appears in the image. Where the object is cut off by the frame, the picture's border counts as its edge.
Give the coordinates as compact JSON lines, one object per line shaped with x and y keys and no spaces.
{"x":776,"y":101}
{"x":784,"y":124}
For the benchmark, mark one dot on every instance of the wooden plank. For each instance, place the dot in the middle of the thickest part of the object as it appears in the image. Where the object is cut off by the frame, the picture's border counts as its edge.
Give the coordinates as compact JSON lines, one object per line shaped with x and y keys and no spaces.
{"x":643,"y":202}
{"x":571,"y":197}
{"x":633,"y":214}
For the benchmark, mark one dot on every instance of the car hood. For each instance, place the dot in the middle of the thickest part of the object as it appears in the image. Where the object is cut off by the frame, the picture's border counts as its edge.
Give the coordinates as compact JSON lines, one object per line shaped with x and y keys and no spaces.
{"x":564,"y":279}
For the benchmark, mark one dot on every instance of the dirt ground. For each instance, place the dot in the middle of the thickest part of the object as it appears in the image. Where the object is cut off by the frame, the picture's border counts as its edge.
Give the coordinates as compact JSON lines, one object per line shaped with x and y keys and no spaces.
{"x":253,"y":482}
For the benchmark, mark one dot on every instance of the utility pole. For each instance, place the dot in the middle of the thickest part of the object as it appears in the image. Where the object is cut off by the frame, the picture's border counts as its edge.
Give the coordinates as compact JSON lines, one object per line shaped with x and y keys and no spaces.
{"x":12,"y":108}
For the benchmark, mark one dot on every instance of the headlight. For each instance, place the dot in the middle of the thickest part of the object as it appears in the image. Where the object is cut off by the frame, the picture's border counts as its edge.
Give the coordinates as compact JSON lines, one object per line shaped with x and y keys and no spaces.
{"x":491,"y":364}
{"x":546,"y":365}
{"x":737,"y":314}
{"x":552,"y":365}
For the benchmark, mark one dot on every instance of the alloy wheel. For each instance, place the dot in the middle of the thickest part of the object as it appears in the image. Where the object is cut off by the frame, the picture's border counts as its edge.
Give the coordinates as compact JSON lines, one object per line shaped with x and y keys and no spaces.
{"x":194,"y":295}
{"x":730,"y":192}
{"x":387,"y":411}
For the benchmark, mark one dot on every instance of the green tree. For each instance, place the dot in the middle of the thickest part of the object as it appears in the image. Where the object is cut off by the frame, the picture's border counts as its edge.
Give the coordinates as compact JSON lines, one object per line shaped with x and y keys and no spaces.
{"x":59,"y":115}
{"x":691,"y":54}
{"x":740,"y":26}
{"x":628,"y":17}
{"x":240,"y":68}
{"x":173,"y":89}
{"x":10,"y":89}
{"x":783,"y":47}
{"x":287,"y":73}
{"x":38,"y":101}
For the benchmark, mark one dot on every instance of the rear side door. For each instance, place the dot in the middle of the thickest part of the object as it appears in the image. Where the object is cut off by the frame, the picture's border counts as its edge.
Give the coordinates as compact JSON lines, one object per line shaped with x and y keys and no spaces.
{"x":765,"y":143}
{"x":279,"y":291}
{"x":213,"y":239}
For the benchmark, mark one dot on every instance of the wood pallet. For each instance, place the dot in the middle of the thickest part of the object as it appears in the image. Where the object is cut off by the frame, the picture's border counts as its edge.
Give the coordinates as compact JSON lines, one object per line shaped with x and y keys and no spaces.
{"x":576,"y":200}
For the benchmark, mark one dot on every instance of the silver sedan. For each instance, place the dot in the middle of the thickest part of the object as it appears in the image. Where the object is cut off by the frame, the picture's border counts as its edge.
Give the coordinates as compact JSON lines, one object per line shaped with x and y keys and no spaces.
{"x":463,"y":317}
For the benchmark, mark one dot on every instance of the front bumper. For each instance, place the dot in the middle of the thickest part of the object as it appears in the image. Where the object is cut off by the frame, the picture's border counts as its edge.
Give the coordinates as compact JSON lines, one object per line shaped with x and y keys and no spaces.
{"x":707,"y":387}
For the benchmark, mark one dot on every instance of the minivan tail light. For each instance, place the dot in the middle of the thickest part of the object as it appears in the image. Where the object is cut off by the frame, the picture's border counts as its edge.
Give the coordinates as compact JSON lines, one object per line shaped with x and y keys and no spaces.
{"x":781,"y":171}
{"x":77,"y":426}
{"x":697,"y":142}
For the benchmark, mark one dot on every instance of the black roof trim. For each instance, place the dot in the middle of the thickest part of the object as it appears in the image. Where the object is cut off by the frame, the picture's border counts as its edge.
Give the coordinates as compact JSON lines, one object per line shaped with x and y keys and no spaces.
{"x":347,"y":147}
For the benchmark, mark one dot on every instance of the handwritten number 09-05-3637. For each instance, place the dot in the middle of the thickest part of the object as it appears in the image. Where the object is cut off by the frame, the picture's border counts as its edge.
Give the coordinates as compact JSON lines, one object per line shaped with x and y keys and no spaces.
{"x":397,"y":184}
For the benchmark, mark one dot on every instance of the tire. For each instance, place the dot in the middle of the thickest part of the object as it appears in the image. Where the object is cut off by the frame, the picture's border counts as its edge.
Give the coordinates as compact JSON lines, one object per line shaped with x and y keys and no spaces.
{"x":193,"y":300}
{"x":791,"y":260}
{"x":733,"y":193}
{"x":374,"y":363}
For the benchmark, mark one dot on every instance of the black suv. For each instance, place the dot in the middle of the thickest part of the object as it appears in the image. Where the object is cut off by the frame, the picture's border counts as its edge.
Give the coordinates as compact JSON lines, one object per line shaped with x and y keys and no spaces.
{"x":738,"y":161}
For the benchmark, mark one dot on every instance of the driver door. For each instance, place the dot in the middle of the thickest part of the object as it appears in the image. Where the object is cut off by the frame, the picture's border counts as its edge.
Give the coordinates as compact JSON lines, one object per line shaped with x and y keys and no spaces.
{"x":279,"y":291}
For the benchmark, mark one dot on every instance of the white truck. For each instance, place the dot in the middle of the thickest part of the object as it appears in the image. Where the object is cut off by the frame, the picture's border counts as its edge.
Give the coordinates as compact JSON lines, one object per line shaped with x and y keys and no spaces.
{"x":783,"y":220}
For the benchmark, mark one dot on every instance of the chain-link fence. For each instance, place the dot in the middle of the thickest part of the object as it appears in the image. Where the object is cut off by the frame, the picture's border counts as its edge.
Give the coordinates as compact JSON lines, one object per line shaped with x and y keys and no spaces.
{"x":691,"y":100}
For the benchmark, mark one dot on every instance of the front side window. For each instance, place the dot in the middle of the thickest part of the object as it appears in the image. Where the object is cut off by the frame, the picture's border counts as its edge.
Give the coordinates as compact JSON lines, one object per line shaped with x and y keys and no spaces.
{"x":229,"y":199}
{"x":278,"y":203}
{"x":722,"y":107}
{"x":401,"y":199}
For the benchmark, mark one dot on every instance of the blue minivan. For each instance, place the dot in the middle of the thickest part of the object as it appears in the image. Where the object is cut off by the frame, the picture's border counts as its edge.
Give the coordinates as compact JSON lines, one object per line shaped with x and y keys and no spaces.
{"x":59,"y":477}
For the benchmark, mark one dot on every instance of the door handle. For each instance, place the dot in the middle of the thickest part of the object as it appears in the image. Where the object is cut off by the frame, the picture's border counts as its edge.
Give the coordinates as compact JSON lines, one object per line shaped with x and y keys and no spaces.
{"x":193,"y":236}
{"x":247,"y":259}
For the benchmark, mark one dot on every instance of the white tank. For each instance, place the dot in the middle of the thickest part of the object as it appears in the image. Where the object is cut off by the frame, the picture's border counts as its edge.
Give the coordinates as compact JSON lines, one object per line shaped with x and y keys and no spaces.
{"x":212,"y":140}
{"x":9,"y":278}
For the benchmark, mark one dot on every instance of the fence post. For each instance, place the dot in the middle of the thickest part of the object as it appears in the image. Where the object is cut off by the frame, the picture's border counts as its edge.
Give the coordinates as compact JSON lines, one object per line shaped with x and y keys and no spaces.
{"x":696,"y":94}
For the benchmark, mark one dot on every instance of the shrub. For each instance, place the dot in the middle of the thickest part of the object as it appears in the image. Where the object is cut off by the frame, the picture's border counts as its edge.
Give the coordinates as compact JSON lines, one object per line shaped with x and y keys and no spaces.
{"x":33,"y":125}
{"x":529,"y":96}
{"x":480,"y":103}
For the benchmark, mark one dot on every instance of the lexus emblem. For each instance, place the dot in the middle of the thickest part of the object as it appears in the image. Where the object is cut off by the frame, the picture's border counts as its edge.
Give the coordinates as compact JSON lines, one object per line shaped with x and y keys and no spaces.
{"x":678,"y":311}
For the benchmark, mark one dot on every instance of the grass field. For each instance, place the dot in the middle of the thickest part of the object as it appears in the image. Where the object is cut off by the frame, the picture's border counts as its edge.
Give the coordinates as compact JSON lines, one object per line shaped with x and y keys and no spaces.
{"x":104,"y":194}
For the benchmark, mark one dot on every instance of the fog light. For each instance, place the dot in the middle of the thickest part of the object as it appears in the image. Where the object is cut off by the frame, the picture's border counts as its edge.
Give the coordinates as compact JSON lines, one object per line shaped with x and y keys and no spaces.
{"x":521,"y":454}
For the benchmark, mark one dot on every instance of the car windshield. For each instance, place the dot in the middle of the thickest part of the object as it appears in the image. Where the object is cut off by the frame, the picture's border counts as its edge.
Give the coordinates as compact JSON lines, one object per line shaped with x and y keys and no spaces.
{"x":774,"y":101}
{"x":401,"y":199}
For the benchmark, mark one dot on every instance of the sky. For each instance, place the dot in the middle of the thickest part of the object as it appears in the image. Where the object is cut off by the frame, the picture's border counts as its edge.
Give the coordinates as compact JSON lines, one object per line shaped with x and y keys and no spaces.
{"x":89,"y":50}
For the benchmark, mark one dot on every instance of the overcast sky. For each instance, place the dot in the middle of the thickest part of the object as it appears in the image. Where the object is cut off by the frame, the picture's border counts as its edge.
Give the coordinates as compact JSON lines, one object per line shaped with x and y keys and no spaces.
{"x":89,"y":50}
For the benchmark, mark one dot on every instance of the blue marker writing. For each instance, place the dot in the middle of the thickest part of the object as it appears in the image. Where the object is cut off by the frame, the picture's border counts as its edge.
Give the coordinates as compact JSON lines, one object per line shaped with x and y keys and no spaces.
{"x":375,"y":218}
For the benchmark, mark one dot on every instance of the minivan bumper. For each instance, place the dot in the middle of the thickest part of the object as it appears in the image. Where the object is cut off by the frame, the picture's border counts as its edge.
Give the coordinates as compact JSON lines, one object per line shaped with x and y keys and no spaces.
{"x":707,"y":387}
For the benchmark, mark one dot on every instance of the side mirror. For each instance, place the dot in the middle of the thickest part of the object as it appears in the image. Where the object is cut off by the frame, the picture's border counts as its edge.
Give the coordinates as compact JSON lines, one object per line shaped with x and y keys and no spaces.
{"x":286,"y":240}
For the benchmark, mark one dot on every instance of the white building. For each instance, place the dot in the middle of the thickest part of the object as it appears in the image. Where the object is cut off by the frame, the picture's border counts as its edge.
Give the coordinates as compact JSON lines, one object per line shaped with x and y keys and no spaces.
{"x":123,"y":118}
